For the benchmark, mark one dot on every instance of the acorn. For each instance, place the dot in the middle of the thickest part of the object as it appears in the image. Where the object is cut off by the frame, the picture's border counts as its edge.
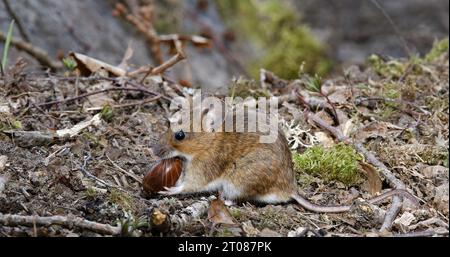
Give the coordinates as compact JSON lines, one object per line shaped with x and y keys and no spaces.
{"x":164,"y":173}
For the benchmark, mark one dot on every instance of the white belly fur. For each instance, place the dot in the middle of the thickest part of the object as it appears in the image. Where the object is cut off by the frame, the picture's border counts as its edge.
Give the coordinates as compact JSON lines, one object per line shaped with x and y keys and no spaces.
{"x":227,"y":190}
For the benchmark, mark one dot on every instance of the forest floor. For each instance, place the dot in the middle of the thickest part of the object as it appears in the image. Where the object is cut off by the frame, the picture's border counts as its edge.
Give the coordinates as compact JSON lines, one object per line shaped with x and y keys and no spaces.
{"x":398,"y":109}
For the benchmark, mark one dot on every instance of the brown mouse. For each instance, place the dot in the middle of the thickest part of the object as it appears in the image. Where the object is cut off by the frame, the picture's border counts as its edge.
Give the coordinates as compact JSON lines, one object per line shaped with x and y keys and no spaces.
{"x":240,"y":167}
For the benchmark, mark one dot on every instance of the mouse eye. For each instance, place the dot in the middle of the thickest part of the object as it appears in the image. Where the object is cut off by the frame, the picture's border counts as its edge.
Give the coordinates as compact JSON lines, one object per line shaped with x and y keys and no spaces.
{"x":180,"y":135}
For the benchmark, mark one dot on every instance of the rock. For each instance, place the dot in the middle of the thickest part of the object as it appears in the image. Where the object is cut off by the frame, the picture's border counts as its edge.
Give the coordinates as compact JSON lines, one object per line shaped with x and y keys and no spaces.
{"x":3,"y":161}
{"x":436,"y":173}
{"x":441,"y":198}
{"x":405,"y":220}
{"x":3,"y":180}
{"x":366,"y":214}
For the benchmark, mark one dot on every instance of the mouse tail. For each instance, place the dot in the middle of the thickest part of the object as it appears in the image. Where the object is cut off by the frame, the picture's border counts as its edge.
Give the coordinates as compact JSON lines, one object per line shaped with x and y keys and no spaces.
{"x":395,"y":192}
{"x":317,"y":208}
{"x":343,"y":208}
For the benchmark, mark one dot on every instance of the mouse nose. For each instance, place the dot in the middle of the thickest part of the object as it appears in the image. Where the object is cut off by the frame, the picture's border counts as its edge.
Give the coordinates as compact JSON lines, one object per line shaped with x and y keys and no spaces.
{"x":159,"y":150}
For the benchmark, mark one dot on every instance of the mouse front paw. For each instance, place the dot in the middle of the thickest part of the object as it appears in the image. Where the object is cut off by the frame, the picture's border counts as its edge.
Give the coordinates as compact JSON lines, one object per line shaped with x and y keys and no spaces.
{"x":171,"y":190}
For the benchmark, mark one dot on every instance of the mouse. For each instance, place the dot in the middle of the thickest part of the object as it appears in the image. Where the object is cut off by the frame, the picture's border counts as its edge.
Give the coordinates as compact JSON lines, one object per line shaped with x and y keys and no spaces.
{"x":239,"y":167}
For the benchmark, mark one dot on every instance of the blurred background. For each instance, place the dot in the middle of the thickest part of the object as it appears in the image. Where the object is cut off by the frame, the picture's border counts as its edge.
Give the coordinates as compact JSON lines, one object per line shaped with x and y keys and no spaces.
{"x":318,"y":36}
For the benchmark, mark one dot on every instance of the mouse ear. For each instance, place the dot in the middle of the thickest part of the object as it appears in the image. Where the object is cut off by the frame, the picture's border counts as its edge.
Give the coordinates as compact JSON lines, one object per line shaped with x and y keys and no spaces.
{"x":212,"y":115}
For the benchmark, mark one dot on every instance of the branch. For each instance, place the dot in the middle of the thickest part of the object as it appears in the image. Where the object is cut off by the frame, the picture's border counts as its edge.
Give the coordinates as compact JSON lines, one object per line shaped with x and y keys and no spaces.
{"x":160,"y":69}
{"x":18,"y":21}
{"x":395,"y":182}
{"x":145,"y":28}
{"x":140,"y":89}
{"x":39,"y":54}
{"x":69,"y":222}
{"x":163,"y":222}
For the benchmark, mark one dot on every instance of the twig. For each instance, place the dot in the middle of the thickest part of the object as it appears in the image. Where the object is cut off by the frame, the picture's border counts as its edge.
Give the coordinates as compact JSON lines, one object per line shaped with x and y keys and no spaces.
{"x":333,"y":108}
{"x":135,"y":85}
{"x":39,"y":54}
{"x":133,"y":176}
{"x":87,"y":158}
{"x":425,"y":233}
{"x":66,"y":221}
{"x":195,"y":40}
{"x":99,"y":92}
{"x":146,"y":28}
{"x":160,"y":69}
{"x":177,"y":222}
{"x":18,"y":21}
{"x":143,"y":102}
{"x":399,"y":101}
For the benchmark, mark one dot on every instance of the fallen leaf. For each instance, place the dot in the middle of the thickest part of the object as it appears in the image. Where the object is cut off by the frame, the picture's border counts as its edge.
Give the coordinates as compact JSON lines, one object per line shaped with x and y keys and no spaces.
{"x":405,"y":220}
{"x":373,"y":178}
{"x":373,"y":130}
{"x":88,"y":65}
{"x":218,"y":213}
{"x":324,"y":139}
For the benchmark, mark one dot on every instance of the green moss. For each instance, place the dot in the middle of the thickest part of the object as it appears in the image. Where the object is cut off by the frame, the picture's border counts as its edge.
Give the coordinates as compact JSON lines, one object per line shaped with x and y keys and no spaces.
{"x":313,"y":84}
{"x":439,"y":48}
{"x":167,"y":16}
{"x":7,"y":122}
{"x":339,"y":163}
{"x":275,"y":28}
{"x":247,"y":88}
{"x":236,"y":213}
{"x":446,"y":161}
{"x":224,"y":232}
{"x":69,"y":63}
{"x":393,"y":68}
{"x":90,"y":193}
{"x":107,"y":113}
{"x":121,"y":199}
{"x":391,"y":90}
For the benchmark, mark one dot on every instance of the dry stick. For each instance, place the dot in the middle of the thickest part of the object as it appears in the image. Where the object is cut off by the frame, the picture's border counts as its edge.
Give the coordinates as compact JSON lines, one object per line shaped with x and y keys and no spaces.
{"x":426,"y":233}
{"x":66,"y":221}
{"x":124,"y":171}
{"x":99,"y":92}
{"x":145,"y":28}
{"x":87,"y":158}
{"x":39,"y":54}
{"x":160,"y":69}
{"x":395,"y":182}
{"x":398,"y":101}
{"x":18,"y":21}
{"x":135,"y":85}
{"x":177,"y":222}
{"x":196,"y":40}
